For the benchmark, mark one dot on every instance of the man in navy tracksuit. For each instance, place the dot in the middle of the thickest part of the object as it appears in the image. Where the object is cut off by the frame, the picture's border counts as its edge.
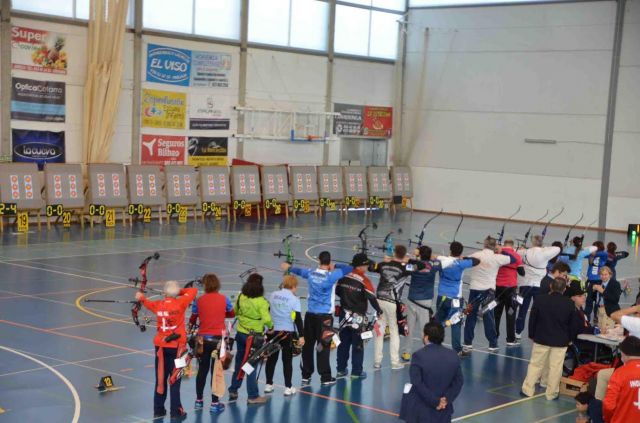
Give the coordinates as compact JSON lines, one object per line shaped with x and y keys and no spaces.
{"x":419,"y":311}
{"x":319,"y":316}
{"x":450,"y":300}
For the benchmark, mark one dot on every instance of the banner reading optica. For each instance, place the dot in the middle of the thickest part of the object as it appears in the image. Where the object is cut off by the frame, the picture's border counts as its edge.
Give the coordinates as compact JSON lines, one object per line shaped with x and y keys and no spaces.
{"x":38,"y":51}
{"x":168,"y":65}
{"x":162,"y":149}
{"x":208,"y":151}
{"x":42,"y":101}
{"x":163,"y":109}
{"x":38,"y":146}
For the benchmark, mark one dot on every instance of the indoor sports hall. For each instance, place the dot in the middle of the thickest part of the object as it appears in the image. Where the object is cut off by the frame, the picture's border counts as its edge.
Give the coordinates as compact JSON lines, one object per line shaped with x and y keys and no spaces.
{"x":242,"y":184}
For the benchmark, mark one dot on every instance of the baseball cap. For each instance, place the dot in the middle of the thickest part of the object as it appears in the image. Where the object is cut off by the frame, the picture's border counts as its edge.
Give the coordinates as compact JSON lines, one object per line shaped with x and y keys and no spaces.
{"x":360,"y":259}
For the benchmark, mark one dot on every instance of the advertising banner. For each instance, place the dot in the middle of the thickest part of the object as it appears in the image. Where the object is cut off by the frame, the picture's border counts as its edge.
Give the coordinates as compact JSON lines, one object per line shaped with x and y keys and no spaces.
{"x":168,"y":65}
{"x":377,"y":121}
{"x":208,"y":111}
{"x":163,"y":109}
{"x":362,"y":121}
{"x":210,"y":69}
{"x":38,"y":51}
{"x":38,"y":146}
{"x":162,"y":149}
{"x":42,"y":101}
{"x":350,"y":120}
{"x":208,"y":151}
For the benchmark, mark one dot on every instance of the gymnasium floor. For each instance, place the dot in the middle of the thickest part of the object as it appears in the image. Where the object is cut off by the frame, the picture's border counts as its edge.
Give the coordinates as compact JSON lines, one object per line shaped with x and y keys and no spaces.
{"x":54,"y":347}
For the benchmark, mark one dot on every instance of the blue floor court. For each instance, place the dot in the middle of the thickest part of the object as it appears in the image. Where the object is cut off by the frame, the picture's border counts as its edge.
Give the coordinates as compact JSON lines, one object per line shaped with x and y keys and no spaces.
{"x":54,"y":347}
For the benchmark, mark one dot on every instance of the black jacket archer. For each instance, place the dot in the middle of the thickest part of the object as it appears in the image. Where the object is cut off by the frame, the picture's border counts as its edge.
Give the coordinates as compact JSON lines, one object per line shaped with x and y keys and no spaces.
{"x":354,"y":291}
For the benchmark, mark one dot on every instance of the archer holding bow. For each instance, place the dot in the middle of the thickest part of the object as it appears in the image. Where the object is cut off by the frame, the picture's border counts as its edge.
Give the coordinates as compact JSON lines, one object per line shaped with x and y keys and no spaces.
{"x":170,"y":338}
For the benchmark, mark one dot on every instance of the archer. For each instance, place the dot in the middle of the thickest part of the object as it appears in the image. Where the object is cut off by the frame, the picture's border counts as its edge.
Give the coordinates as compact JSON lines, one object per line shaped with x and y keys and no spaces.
{"x":171,"y":338}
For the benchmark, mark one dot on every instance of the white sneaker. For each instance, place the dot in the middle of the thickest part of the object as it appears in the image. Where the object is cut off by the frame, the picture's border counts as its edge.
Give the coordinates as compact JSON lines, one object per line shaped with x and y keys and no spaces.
{"x":467,"y":347}
{"x":289,"y":391}
{"x":518,"y":336}
{"x":268,"y":389}
{"x":397,"y":366}
{"x":377,"y":366}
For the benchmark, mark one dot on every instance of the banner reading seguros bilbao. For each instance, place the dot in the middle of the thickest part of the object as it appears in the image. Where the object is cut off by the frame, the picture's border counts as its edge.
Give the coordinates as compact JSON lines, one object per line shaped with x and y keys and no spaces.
{"x":42,"y":101}
{"x":162,"y":149}
{"x":163,"y":109}
{"x":38,"y":51}
{"x":37,"y":146}
{"x":208,"y":151}
{"x":168,"y":65}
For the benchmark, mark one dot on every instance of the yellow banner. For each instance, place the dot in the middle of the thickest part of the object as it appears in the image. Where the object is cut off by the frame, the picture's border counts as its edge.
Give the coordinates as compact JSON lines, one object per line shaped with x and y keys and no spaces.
{"x":208,"y":160}
{"x":163,"y":109}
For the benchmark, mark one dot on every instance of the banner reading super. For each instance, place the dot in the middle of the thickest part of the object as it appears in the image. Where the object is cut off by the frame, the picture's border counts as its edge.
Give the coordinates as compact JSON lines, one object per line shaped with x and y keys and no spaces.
{"x":38,"y":51}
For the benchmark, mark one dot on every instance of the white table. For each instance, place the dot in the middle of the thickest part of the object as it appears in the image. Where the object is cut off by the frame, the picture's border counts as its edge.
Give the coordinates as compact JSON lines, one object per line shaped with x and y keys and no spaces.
{"x":598,"y":339}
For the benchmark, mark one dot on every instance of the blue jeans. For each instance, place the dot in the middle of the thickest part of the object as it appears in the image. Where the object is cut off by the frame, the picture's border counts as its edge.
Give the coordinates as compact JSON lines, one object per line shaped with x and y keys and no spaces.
{"x":444,"y":311}
{"x":527,"y":293}
{"x":159,"y":399}
{"x":350,"y":340}
{"x":252,"y":383}
{"x":489,"y":321}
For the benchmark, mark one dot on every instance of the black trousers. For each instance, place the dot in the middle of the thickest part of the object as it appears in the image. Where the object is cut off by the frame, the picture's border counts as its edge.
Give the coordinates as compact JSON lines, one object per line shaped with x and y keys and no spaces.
{"x":206,"y":362}
{"x":504,"y":297}
{"x":592,"y":297}
{"x":313,"y":328}
{"x":287,"y":361}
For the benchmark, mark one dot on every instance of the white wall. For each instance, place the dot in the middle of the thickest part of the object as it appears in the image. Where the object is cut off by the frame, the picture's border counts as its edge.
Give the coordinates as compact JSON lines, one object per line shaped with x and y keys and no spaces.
{"x":624,"y":191}
{"x":493,"y":76}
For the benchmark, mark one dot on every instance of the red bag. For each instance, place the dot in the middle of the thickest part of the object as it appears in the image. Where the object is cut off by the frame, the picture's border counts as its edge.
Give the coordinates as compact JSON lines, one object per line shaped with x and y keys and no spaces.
{"x":587,"y":371}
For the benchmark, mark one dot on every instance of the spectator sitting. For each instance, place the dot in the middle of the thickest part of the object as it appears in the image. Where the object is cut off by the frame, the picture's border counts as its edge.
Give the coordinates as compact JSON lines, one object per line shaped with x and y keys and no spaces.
{"x":589,"y":408}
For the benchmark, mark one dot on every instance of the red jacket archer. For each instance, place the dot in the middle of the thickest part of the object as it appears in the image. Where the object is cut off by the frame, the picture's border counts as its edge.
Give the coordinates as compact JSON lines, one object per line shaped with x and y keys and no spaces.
{"x":170,"y":317}
{"x":621,"y":404}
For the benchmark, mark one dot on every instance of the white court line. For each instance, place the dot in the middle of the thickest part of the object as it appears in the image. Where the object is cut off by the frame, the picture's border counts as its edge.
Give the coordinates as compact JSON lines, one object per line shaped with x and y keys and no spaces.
{"x":546,"y":419}
{"x":74,"y":393}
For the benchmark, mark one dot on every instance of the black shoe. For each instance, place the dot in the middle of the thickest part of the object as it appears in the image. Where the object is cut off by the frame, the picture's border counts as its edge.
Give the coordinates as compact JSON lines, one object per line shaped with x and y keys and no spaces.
{"x":328,"y":382}
{"x":233,"y":396}
{"x":159,"y":413}
{"x":180,"y":415}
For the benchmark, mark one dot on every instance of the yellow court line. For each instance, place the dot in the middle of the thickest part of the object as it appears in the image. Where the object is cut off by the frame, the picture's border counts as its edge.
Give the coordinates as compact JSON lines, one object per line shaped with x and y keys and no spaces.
{"x":496,"y":408}
{"x":101,"y":316}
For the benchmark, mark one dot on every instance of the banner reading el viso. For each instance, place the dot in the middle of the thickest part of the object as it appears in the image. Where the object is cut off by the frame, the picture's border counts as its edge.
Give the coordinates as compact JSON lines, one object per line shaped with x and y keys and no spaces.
{"x":163,"y":109}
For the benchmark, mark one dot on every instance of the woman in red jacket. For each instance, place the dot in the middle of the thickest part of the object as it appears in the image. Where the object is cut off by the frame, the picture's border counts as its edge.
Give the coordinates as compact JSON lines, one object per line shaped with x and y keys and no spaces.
{"x":622,"y":402}
{"x":170,"y":320}
{"x":211,"y":308}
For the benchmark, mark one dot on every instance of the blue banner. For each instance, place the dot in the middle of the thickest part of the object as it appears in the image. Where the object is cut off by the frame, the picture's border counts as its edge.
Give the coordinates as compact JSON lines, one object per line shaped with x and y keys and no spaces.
{"x":168,"y":65}
{"x":38,"y":146}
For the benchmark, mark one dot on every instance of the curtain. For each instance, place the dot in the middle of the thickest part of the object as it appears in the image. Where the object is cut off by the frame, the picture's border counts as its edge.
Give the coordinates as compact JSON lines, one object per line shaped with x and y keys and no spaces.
{"x":107,"y":19}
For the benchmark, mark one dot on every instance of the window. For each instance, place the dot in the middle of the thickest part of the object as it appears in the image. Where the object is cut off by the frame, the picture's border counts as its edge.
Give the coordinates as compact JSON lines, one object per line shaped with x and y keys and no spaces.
{"x":309,"y":24}
{"x":398,"y":5}
{"x":432,"y":3}
{"x":47,"y":7}
{"x":83,"y":7}
{"x":219,"y":18}
{"x":352,"y":30}
{"x":384,"y":35}
{"x":365,"y":32}
{"x":269,"y":21}
{"x":292,"y":23}
{"x":168,"y":15}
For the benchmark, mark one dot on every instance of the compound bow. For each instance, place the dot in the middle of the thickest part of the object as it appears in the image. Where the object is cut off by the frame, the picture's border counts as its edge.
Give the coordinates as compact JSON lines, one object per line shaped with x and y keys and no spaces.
{"x":566,"y":238}
{"x":142,"y":281}
{"x":424,"y":228}
{"x":288,"y":250}
{"x":364,"y":241}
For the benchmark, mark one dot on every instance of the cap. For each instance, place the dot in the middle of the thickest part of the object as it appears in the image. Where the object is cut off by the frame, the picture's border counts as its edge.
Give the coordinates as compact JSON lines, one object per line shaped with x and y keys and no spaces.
{"x":574,"y":288}
{"x":360,"y":259}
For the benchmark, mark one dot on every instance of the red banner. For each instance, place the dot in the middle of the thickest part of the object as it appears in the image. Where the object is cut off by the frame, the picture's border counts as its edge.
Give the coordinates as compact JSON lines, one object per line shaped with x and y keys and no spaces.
{"x":377,"y":121}
{"x":162,"y":149}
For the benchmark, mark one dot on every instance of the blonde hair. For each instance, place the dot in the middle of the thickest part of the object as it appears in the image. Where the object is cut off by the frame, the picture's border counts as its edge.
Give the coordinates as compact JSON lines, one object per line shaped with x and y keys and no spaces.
{"x":289,"y":282}
{"x":607,"y":268}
